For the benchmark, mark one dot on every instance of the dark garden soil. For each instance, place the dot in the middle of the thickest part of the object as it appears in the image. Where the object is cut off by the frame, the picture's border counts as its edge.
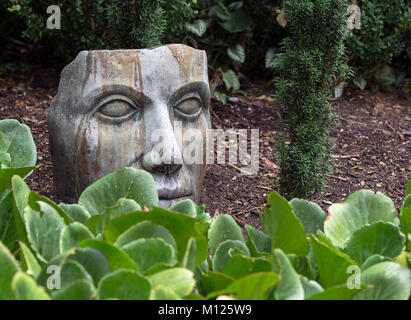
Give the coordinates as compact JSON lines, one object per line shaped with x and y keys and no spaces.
{"x":373,"y":144}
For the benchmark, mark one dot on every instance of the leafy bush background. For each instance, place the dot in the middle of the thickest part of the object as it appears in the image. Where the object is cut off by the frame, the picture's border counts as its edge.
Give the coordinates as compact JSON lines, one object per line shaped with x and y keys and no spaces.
{"x":240,"y":35}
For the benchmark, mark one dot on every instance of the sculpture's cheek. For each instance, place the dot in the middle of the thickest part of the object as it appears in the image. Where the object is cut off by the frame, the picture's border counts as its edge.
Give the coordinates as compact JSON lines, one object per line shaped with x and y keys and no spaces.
{"x":107,"y":147}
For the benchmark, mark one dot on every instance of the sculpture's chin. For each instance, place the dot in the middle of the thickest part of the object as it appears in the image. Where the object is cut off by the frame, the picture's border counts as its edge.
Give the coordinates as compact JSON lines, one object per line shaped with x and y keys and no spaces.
{"x":166,"y":203}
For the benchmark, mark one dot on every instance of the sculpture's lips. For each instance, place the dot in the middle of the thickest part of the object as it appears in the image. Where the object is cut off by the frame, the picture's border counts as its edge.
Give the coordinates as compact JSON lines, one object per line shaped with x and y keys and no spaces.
{"x":170,"y":187}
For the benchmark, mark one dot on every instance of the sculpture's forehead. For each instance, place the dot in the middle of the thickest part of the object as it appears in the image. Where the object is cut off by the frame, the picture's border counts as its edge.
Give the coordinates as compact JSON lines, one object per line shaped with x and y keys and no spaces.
{"x":154,"y":72}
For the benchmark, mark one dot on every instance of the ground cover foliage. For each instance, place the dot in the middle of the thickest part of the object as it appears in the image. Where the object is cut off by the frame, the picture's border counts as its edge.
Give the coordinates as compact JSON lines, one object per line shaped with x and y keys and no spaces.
{"x":115,"y":243}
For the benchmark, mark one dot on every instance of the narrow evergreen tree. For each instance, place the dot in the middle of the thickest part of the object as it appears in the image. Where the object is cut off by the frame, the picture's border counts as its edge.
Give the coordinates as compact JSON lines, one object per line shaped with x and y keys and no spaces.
{"x":310,"y":65}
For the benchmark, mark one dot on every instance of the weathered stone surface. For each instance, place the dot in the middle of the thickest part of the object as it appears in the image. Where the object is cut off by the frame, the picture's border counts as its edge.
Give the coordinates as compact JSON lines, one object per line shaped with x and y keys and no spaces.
{"x":130,"y":108}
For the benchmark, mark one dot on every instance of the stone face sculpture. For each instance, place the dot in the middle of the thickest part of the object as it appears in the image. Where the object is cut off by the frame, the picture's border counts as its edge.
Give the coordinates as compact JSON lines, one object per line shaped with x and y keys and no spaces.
{"x":130,"y":108}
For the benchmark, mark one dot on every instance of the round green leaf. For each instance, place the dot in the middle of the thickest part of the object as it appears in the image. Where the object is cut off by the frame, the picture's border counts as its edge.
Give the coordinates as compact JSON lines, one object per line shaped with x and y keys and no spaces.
{"x":379,"y":238}
{"x":391,"y":281}
{"x":360,"y":208}
{"x":223,"y":228}
{"x":237,"y":53}
{"x":124,"y":285}
{"x":72,"y":235}
{"x":128,"y":183}
{"x":43,"y":231}
{"x":8,"y":267}
{"x":116,"y":258}
{"x":26,"y":288}
{"x":180,"y":226}
{"x":310,"y":214}
{"x":146,"y":229}
{"x":18,"y":142}
{"x":77,"y":290}
{"x":253,"y":287}
{"x":162,"y":293}
{"x":180,"y":280}
{"x":198,"y":27}
{"x":150,"y":252}
{"x":222,"y":254}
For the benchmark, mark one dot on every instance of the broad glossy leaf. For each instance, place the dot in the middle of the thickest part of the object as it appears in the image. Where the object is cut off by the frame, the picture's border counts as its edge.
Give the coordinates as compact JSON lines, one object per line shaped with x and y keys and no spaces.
{"x":258,"y":242}
{"x":222,"y":254}
{"x":186,"y":206}
{"x":239,"y":21}
{"x":290,"y":287}
{"x":189,"y":259}
{"x":223,"y":228}
{"x":128,"y":183}
{"x":253,"y":287}
{"x":29,"y":262}
{"x":370,"y":261}
{"x":124,"y":285}
{"x":332,"y":264}
{"x":8,"y":229}
{"x":43,"y":231}
{"x":198,"y":27}
{"x":391,"y":281}
{"x":310,"y":214}
{"x":214,"y":282}
{"x":380,"y":238}
{"x":147,"y":230}
{"x":6,"y":175}
{"x":77,"y":290}
{"x":8,"y":267}
{"x":71,"y":271}
{"x":180,"y":280}
{"x":98,"y":222}
{"x":236,"y":53}
{"x":163,"y":293}
{"x":116,"y":258}
{"x":360,"y":208}
{"x":230,"y":80}
{"x":25,"y":288}
{"x":181,"y":227}
{"x":240,"y":266}
{"x":310,"y":287}
{"x":21,"y":194}
{"x":408,"y":188}
{"x":92,"y":260}
{"x":35,"y":200}
{"x":72,"y":235}
{"x":18,"y":143}
{"x":283,"y":227}
{"x":220,"y":96}
{"x":341,"y":292}
{"x":76,"y":212}
{"x":150,"y":252}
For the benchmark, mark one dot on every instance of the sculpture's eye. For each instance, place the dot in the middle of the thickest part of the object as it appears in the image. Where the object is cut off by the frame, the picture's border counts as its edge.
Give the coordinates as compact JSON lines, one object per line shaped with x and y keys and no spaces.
{"x":189,"y":107}
{"x":116,"y":107}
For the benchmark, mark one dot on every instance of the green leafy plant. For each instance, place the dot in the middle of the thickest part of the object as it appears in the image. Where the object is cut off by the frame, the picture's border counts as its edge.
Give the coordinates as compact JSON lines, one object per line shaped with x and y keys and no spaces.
{"x":104,"y":24}
{"x":115,"y":243}
{"x":379,"y":47}
{"x":309,"y":67}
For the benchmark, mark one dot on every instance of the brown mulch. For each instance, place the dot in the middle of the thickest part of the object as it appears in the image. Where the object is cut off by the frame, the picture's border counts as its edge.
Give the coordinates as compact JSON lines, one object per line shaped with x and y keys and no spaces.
{"x":372,"y":144}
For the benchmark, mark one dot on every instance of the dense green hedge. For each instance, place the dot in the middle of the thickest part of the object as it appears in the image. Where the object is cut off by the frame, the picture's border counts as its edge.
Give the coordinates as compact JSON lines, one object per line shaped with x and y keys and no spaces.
{"x":381,"y":48}
{"x":125,"y":247}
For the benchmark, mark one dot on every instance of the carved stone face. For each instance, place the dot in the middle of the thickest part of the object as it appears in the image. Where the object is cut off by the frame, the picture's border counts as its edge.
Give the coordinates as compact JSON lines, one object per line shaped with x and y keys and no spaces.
{"x":130,"y":108}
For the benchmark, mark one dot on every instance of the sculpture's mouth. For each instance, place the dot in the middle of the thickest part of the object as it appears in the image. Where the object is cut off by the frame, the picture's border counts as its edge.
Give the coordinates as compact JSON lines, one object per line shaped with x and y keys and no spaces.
{"x":173,"y":188}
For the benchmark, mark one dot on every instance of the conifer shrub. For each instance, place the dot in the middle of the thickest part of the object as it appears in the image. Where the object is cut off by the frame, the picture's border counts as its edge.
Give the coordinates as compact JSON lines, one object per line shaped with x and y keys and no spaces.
{"x":310,"y":65}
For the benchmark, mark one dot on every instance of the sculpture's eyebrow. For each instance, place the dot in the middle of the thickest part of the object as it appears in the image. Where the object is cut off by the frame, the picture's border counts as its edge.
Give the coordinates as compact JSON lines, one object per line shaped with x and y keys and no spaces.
{"x":200,"y":87}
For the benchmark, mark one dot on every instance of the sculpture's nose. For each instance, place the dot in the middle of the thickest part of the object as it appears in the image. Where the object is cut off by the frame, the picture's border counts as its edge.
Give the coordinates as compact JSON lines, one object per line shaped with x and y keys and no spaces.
{"x":163,"y":155}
